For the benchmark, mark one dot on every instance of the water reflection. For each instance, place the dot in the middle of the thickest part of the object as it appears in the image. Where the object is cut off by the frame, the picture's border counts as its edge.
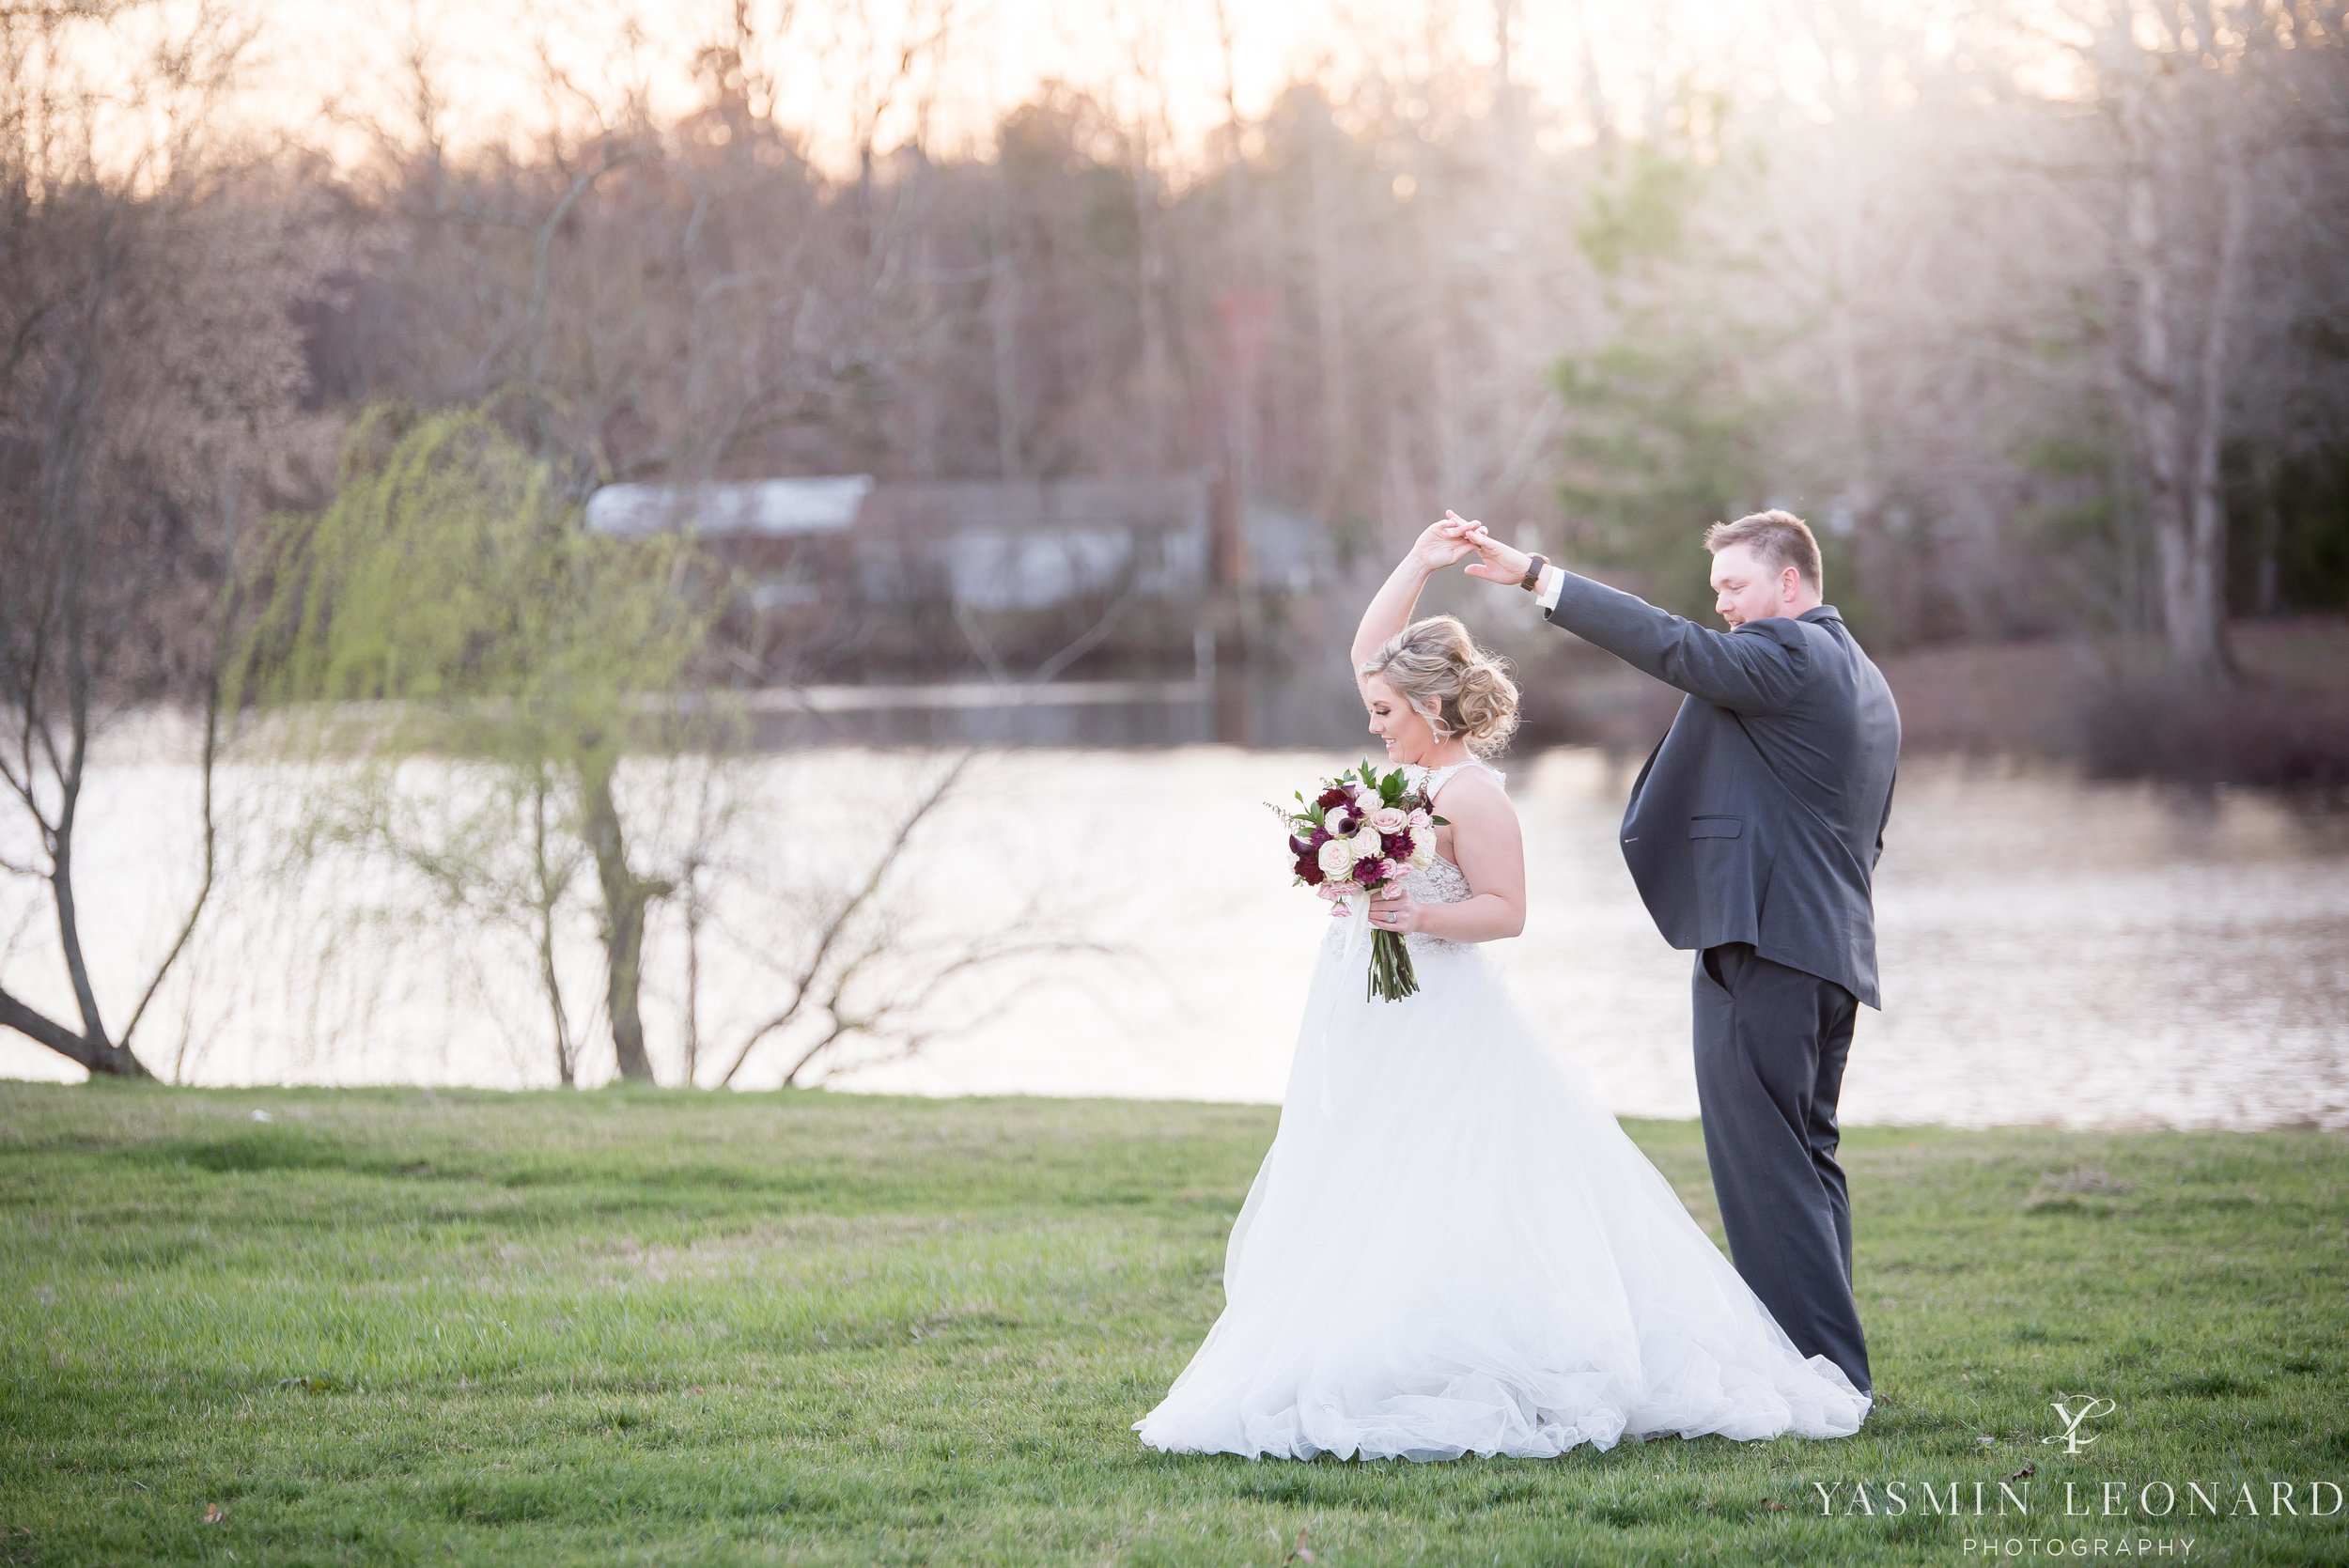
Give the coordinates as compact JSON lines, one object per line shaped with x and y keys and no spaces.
{"x":1217,"y":705}
{"x":2053,"y":952}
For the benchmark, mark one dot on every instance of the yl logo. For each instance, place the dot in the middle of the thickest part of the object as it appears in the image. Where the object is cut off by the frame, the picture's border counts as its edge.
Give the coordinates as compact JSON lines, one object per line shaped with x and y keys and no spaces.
{"x":2071,"y":1412}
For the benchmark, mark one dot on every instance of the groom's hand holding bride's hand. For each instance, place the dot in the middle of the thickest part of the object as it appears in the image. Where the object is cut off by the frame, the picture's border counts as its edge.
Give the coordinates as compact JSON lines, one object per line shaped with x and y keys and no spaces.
{"x":1496,"y":562}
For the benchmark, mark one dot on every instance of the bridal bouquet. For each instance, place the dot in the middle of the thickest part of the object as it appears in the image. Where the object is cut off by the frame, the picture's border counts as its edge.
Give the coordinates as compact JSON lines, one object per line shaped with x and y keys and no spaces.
{"x":1361,"y":833}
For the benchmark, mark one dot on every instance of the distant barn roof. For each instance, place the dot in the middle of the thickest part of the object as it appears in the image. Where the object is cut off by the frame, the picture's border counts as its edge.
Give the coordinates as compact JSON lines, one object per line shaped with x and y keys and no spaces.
{"x":994,"y":544}
{"x":773,"y":508}
{"x":930,"y":506}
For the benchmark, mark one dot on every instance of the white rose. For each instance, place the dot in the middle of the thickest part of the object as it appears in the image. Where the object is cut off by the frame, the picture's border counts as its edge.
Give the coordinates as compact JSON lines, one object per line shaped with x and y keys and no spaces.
{"x":1421,"y":817}
{"x":1336,"y":822}
{"x":1335,"y":858}
{"x":1390,"y":819}
{"x":1365,"y":799}
{"x":1365,"y":844}
{"x":1422,"y":852}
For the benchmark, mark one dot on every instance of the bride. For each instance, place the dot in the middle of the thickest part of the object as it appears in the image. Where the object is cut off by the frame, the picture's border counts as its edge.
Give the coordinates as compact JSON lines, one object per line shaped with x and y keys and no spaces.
{"x":1452,"y":1248}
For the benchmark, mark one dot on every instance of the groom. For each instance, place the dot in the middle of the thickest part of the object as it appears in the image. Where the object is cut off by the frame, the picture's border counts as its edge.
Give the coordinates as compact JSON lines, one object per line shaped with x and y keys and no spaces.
{"x":1754,"y":833}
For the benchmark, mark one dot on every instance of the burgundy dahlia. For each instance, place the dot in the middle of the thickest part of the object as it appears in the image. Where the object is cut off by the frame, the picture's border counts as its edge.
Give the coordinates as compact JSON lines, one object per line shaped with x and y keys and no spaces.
{"x":1310,"y":869}
{"x":1333,"y":796}
{"x":1397,"y":846}
{"x":1369,"y":871}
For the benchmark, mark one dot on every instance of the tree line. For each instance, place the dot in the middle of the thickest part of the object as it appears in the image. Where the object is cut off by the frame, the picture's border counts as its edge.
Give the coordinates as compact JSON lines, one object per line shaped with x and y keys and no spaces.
{"x":2040,"y":313}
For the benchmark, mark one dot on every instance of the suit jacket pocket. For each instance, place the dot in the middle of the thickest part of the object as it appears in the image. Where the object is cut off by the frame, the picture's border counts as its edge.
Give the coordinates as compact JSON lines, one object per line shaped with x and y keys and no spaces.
{"x":1716,"y":827}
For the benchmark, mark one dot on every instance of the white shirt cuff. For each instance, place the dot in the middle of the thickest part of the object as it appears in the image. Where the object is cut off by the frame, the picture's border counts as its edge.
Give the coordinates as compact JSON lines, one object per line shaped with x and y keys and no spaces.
{"x":1547,"y":585}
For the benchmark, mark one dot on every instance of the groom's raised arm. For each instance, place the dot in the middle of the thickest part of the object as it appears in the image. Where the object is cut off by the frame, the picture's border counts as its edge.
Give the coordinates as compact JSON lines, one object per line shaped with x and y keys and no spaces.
{"x":1755,"y":669}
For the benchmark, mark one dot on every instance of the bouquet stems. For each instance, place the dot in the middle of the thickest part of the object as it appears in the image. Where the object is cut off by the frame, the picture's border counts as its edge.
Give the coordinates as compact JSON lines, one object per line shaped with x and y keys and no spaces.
{"x":1391,"y":976}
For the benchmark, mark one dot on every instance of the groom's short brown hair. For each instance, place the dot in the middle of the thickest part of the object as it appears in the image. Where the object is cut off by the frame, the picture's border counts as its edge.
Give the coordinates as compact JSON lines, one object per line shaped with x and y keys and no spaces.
{"x":1779,"y":537}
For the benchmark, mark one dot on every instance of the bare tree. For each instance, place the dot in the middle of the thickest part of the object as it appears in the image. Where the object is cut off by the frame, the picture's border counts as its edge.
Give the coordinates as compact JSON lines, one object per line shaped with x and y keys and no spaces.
{"x":2207,"y":101}
{"x":854,"y":967}
{"x":149,"y":366}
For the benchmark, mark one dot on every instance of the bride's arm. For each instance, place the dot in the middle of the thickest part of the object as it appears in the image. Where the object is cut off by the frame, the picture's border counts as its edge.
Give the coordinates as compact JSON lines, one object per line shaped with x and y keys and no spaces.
{"x":1489,"y":850}
{"x":1390,"y":609}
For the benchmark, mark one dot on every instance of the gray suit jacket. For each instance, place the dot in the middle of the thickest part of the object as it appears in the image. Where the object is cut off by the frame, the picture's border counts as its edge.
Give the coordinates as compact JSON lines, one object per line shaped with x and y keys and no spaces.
{"x":1760,"y":816}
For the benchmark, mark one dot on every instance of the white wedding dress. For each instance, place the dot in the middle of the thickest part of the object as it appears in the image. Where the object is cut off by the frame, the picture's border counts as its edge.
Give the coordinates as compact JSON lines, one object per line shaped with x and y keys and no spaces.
{"x":1452,"y":1248}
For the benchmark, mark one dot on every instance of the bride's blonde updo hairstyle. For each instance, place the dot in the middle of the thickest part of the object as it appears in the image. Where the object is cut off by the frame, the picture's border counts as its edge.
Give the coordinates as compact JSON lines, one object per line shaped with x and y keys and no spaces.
{"x":1455,"y":686}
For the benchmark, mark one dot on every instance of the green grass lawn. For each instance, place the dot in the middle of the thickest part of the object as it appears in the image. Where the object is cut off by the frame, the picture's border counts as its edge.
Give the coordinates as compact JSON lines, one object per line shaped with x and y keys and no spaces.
{"x":668,"y":1327}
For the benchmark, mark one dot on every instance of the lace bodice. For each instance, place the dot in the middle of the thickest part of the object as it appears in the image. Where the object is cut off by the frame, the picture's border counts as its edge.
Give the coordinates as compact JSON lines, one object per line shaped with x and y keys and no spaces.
{"x":1441,"y":883}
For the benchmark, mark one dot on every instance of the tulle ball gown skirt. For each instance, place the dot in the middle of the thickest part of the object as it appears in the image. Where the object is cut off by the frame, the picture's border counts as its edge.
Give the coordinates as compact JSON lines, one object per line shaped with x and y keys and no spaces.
{"x":1453,"y":1248}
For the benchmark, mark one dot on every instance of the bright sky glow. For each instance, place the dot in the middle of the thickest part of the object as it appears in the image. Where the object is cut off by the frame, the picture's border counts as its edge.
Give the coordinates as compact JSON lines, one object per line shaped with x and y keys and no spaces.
{"x":337,"y":74}
{"x":326,"y":63}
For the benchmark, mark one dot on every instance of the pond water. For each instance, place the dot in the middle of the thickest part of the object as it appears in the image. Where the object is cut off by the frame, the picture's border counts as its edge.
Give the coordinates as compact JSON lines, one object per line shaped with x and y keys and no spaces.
{"x":2053,"y":952}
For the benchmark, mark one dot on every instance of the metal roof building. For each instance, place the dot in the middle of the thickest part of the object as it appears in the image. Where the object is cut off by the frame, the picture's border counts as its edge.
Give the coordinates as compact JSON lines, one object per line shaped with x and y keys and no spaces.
{"x":991,"y":544}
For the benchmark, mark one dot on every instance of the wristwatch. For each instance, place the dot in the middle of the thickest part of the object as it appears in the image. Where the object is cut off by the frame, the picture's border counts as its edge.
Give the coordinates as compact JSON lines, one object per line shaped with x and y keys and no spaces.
{"x":1532,"y":573}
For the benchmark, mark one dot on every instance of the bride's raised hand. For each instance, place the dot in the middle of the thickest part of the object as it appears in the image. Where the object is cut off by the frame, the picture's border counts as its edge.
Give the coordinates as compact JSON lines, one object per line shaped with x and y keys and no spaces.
{"x":1440,"y":543}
